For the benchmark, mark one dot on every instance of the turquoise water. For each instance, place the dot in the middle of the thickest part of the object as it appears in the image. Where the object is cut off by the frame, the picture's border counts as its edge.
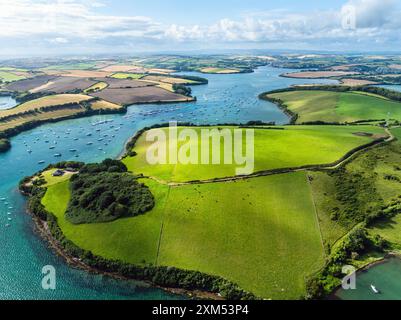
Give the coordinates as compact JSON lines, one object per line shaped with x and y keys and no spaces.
{"x":7,"y":103}
{"x":227,"y":98}
{"x":385,"y":277}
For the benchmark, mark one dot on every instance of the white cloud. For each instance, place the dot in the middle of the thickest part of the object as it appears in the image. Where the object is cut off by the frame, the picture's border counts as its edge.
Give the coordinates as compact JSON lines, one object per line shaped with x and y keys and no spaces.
{"x":76,"y":23}
{"x":59,"y":40}
{"x":21,"y":18}
{"x":375,"y":13}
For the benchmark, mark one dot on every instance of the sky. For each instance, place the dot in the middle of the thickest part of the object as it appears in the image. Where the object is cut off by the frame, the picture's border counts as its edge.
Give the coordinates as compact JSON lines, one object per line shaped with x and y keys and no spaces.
{"x":53,"y":27}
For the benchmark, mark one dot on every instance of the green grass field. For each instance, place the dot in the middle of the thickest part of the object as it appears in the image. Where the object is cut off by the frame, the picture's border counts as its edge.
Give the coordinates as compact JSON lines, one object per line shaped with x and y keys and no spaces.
{"x":96,"y":87}
{"x":43,"y":116}
{"x":293,"y":147}
{"x":6,"y":76}
{"x":338,"y":106}
{"x":323,"y":189}
{"x":33,"y":106}
{"x":397,"y":133}
{"x":133,"y":240}
{"x":126,"y":75}
{"x":372,"y":168}
{"x":54,"y":100}
{"x":48,"y":176}
{"x":72,"y":66}
{"x":390,"y":230}
{"x":253,"y":232}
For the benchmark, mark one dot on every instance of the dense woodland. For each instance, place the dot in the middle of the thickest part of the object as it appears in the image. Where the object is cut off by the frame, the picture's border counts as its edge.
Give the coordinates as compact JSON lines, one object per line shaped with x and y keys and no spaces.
{"x":106,"y":192}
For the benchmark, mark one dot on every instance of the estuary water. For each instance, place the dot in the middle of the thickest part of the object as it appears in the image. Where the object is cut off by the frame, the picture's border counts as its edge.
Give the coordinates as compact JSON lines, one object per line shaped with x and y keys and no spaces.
{"x":227,"y":98}
{"x":7,"y":102}
{"x":384,"y":276}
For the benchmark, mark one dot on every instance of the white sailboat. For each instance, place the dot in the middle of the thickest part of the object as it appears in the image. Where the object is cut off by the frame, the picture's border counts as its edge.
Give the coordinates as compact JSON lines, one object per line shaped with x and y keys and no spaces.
{"x":374,"y":289}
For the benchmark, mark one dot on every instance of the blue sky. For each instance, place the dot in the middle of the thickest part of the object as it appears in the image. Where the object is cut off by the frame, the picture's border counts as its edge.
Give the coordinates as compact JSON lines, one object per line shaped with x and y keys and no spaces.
{"x":38,"y":27}
{"x":209,"y":11}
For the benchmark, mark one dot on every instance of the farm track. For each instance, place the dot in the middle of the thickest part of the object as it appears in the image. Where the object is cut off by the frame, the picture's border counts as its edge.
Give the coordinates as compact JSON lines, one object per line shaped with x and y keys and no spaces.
{"x":316,"y":214}
{"x":331,"y":166}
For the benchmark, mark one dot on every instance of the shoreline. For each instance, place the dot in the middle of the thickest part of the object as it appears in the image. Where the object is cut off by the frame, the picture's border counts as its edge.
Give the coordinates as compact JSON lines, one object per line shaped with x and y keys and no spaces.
{"x":340,"y":80}
{"x":41,"y":228}
{"x":12,"y":132}
{"x":365,"y":268}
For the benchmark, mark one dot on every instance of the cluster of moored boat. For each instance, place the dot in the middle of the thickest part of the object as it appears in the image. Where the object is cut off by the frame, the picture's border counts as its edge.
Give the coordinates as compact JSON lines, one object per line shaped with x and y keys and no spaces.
{"x":9,"y":211}
{"x":105,"y":138}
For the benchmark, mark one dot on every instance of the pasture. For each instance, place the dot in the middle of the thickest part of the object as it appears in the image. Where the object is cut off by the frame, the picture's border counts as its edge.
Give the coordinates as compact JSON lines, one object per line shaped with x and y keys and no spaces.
{"x":375,"y":187}
{"x":46,"y":101}
{"x":30,"y":111}
{"x":29,"y":84}
{"x":338,"y":106}
{"x":102,"y":105}
{"x":65,"y":85}
{"x":169,"y":80}
{"x":128,"y":75}
{"x":114,"y":83}
{"x":85,"y":73}
{"x":42,"y":116}
{"x":84,"y":65}
{"x":318,"y":74}
{"x":294,"y":146}
{"x":144,"y":94}
{"x":214,"y":70}
{"x":96,"y":87}
{"x":118,"y":68}
{"x":267,"y":240}
{"x":134,"y":240}
{"x":7,"y":76}
{"x":356,"y":82}
{"x":50,"y":180}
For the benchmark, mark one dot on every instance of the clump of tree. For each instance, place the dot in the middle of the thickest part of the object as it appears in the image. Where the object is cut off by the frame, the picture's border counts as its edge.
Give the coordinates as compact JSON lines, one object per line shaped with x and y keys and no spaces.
{"x":181,"y":89}
{"x":22,"y":97}
{"x":106,"y":192}
{"x":5,"y":145}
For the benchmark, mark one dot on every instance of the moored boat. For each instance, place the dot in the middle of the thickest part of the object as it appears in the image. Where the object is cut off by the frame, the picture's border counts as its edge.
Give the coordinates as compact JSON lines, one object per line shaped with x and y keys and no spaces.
{"x":374,"y":289}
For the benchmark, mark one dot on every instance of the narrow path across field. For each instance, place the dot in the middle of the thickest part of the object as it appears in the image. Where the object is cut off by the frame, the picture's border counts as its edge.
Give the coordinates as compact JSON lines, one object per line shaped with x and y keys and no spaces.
{"x":162,"y":226}
{"x":315,"y":212}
